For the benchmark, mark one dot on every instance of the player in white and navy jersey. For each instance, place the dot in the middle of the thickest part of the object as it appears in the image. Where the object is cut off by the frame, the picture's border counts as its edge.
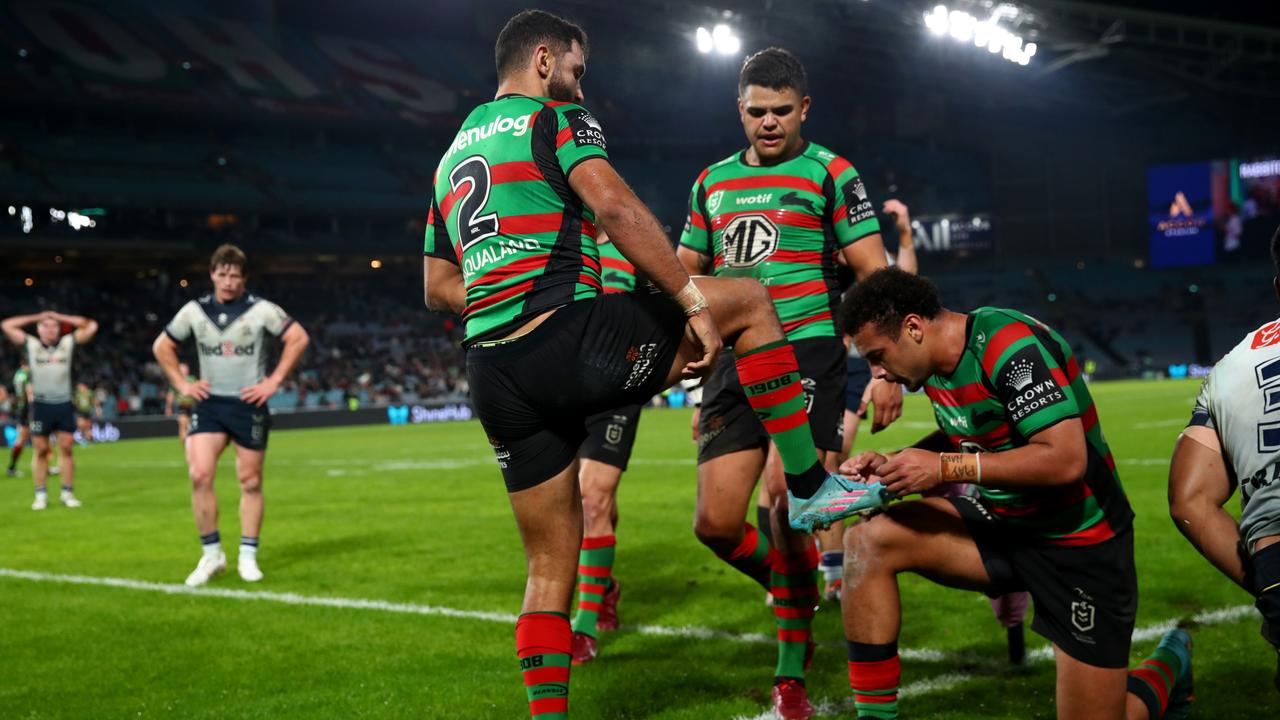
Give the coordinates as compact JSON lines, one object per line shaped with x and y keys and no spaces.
{"x":1234,"y":440}
{"x":49,"y":353}
{"x":230,"y":327}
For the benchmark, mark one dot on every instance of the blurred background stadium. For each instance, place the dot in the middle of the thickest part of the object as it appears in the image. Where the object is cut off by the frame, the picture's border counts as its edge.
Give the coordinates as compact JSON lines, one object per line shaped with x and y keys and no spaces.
{"x":1040,"y":165}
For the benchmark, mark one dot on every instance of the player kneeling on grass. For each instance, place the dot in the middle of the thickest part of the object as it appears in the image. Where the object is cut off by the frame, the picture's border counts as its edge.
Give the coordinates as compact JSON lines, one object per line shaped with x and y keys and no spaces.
{"x":1051,"y":517}
{"x":230,"y":328}
{"x":1234,"y":439}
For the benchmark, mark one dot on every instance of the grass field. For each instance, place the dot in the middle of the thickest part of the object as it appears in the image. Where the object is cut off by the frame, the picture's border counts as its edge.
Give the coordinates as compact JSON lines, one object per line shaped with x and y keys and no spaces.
{"x":413,"y":521}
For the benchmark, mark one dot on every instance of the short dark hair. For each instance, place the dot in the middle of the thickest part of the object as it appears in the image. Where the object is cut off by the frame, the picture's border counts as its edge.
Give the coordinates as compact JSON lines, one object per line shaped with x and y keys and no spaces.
{"x":228,"y":254}
{"x":885,"y":298}
{"x":774,"y":68}
{"x":529,"y":29}
{"x":1275,"y":250}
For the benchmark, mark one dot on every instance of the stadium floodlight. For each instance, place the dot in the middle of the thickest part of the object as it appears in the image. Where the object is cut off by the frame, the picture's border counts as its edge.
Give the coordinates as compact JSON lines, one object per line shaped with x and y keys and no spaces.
{"x":965,"y":27}
{"x":704,"y":41}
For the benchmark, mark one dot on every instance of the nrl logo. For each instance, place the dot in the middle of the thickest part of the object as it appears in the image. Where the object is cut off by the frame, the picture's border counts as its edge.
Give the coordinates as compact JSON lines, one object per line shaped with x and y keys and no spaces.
{"x":713,"y":202}
{"x":1082,"y":613}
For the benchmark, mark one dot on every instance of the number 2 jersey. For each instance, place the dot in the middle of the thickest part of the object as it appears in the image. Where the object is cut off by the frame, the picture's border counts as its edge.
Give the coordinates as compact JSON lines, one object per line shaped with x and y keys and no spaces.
{"x":230,"y":339}
{"x":503,"y":211}
{"x":782,"y":224}
{"x":1240,"y":401}
{"x":1016,"y":378}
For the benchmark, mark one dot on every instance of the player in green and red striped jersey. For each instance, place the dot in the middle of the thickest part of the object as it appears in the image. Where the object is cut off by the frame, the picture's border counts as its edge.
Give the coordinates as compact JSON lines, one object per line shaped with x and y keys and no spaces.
{"x":601,"y":461}
{"x":510,"y":246}
{"x":1016,"y":419}
{"x":778,"y":211}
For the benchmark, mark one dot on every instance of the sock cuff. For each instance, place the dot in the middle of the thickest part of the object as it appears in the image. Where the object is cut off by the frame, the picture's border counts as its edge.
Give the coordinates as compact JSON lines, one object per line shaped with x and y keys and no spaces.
{"x":746,"y":548}
{"x":1146,"y":694}
{"x":212,"y":538}
{"x":540,"y":633}
{"x":872,"y":676}
{"x":763,"y":365}
{"x":832,"y":558}
{"x":760,"y":348}
{"x":872,"y":652}
{"x":247,"y":541}
{"x":596,"y":543}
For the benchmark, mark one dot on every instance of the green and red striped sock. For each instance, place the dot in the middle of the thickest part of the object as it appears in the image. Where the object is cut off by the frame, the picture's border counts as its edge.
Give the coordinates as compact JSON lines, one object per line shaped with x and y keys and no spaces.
{"x":795,"y":597}
{"x":1154,"y":678}
{"x":753,"y":557}
{"x":542,"y":644}
{"x":770,"y":378}
{"x":874,"y":674}
{"x":595,"y":566}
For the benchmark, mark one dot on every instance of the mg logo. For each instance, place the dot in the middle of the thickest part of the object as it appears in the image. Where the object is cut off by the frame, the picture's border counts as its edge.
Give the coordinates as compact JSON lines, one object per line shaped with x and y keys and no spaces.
{"x":748,"y":240}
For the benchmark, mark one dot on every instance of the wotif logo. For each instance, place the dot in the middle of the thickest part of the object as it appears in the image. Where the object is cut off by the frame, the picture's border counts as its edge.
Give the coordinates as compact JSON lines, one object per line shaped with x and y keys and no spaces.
{"x":760,"y":199}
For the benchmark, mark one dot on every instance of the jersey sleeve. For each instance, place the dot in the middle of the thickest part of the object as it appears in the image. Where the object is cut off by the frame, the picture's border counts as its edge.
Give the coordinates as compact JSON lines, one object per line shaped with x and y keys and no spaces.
{"x":851,"y":213}
{"x":437,"y":242}
{"x":274,"y":319}
{"x":697,"y":228}
{"x":179,"y":328}
{"x":1029,"y":381}
{"x":1202,"y":413}
{"x":578,"y":137}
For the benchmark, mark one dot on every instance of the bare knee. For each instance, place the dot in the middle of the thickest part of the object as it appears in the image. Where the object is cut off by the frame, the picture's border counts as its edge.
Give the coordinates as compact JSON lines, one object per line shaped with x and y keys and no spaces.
{"x":869,"y":544}
{"x":201,"y":478}
{"x":251,"y":483}
{"x":717,"y":533}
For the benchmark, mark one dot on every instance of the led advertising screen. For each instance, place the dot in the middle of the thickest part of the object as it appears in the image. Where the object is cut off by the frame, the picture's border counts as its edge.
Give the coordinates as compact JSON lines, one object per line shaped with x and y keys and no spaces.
{"x":1180,"y":214}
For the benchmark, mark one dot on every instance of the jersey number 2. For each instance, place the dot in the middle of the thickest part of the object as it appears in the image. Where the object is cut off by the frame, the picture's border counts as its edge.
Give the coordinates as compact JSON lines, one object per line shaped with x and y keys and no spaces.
{"x":472,"y":226}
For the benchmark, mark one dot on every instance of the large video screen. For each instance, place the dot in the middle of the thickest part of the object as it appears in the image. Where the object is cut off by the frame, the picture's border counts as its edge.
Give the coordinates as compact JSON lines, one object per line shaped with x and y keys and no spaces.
{"x":1213,"y":211}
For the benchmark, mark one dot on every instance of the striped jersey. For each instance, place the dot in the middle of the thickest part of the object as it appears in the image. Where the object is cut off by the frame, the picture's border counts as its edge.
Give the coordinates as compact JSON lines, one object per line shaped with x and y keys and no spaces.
{"x":21,"y":377}
{"x":782,"y":224}
{"x":1240,"y":402}
{"x":619,"y":274}
{"x":1016,"y":378}
{"x":503,"y":211}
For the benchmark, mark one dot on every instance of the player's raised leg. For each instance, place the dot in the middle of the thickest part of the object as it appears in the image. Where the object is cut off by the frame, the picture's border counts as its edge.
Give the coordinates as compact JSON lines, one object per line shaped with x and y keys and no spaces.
{"x":249,"y":473}
{"x":203,"y":450}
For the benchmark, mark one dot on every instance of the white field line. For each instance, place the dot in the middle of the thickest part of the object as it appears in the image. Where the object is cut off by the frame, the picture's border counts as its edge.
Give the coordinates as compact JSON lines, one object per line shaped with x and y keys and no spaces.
{"x":948,"y":681}
{"x":825,"y":707}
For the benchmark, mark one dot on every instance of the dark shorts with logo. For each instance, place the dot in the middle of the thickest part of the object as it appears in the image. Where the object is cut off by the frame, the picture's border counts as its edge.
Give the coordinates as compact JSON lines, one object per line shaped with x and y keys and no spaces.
{"x":247,"y":425}
{"x":49,"y":418}
{"x":1086,"y":596}
{"x":610,"y":436}
{"x":859,"y":377}
{"x":727,"y":424}
{"x":533,"y":395}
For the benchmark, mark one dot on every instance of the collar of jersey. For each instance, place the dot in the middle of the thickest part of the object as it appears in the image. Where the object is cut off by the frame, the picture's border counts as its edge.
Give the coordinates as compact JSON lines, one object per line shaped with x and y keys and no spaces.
{"x":742,"y":158}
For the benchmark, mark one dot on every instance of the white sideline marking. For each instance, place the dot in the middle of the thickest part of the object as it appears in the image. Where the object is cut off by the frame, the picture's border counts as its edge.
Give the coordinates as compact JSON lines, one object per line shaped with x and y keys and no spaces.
{"x":940,"y":683}
{"x":1152,"y":424}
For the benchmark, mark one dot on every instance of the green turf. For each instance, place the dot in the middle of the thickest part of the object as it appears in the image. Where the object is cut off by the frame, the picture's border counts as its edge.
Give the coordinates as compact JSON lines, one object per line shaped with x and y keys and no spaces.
{"x":418,"y":515}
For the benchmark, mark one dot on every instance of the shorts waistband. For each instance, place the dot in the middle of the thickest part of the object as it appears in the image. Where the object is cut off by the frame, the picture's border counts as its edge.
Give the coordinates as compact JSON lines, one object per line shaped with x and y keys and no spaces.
{"x":516,"y":346}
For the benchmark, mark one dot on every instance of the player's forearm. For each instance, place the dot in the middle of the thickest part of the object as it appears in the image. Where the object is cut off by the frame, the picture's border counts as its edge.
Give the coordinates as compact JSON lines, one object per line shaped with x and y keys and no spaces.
{"x":13,"y":326}
{"x":166,"y":354}
{"x":290,"y":354}
{"x":1031,"y":466}
{"x":865,"y":256}
{"x":442,"y":286}
{"x":641,"y":239}
{"x":1215,"y":534}
{"x":907,"y":261}
{"x":694,"y":262}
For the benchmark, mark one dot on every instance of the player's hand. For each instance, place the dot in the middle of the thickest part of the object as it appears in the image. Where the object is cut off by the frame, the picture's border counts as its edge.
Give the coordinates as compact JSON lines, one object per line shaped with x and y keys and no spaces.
{"x":863,"y":466}
{"x":198,"y":389}
{"x":911,"y":471}
{"x":901,"y":217}
{"x":702,"y":332}
{"x":260,"y":393}
{"x":887,"y":399}
{"x":693,"y":426}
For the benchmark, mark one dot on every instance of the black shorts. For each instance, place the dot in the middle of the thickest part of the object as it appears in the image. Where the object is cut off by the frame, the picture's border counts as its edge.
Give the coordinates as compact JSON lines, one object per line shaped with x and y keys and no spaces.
{"x":610,"y":436}
{"x":534,"y":394}
{"x":247,"y":425}
{"x":49,"y":418}
{"x":859,"y":377}
{"x":22,"y":413}
{"x":727,"y":423}
{"x":1086,"y":597}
